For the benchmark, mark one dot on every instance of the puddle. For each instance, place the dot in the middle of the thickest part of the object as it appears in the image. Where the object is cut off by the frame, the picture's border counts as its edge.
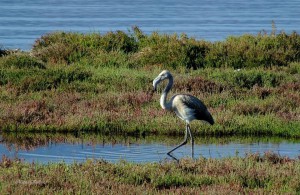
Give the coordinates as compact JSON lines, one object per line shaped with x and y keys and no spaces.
{"x":45,"y":148}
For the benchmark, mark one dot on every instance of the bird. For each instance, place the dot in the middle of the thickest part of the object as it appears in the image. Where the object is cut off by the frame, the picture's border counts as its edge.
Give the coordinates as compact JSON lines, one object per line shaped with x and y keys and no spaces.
{"x":185,"y":106}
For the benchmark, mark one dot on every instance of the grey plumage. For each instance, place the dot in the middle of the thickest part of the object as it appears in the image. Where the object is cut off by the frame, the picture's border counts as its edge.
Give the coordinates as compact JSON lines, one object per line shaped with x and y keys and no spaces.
{"x":186,"y":107}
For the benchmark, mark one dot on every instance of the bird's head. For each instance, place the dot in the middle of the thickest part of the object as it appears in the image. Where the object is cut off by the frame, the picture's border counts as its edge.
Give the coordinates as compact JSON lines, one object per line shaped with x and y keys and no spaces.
{"x":165,"y":74}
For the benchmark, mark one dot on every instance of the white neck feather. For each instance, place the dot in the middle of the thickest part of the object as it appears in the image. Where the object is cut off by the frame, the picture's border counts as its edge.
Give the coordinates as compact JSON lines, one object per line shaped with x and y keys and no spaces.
{"x":163,"y":99}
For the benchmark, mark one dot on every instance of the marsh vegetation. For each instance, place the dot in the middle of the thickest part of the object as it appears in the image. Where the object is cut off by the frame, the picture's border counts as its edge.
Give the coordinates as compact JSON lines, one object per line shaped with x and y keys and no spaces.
{"x":72,"y":82}
{"x":93,"y":82}
{"x":257,"y":174}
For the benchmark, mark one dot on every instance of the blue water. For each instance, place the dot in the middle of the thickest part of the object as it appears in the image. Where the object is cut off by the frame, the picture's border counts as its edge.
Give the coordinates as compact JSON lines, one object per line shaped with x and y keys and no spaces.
{"x":22,"y":22}
{"x":141,"y":150}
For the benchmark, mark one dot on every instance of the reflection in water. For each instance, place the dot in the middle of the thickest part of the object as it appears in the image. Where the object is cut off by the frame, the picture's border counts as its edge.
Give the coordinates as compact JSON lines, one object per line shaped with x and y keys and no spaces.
{"x":57,"y":147}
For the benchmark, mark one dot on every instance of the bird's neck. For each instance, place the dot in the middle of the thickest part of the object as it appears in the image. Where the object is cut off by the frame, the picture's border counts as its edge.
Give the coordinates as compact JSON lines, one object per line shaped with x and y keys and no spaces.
{"x":163,"y":99}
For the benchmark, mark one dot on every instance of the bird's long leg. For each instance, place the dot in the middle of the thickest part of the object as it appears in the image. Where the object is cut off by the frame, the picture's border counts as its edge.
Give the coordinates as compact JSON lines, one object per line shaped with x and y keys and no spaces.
{"x":174,"y":158}
{"x":182,"y":143}
{"x":192,"y":139}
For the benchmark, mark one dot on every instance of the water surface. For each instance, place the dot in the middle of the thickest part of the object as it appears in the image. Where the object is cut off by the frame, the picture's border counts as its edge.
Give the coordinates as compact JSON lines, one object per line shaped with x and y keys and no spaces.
{"x":46,"y":148}
{"x":22,"y":22}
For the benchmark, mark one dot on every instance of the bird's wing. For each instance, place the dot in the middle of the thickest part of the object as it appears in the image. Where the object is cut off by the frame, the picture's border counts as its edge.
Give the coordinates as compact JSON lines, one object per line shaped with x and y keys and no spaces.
{"x":193,"y":102}
{"x":195,"y":108}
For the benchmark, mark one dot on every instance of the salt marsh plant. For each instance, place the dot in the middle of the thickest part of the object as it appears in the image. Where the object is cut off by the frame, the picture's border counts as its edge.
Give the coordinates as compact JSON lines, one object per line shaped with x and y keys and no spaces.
{"x":171,"y":51}
{"x":20,"y":61}
{"x":73,"y":82}
{"x":258,"y":174}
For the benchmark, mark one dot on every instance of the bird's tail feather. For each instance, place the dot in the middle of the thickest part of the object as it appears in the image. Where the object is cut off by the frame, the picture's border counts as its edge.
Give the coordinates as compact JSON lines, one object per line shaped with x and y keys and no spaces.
{"x":210,"y":119}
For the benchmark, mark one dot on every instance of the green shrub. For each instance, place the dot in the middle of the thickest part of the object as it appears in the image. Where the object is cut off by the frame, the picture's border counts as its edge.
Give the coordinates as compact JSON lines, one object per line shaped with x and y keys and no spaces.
{"x":254,"y":51}
{"x":61,"y":47}
{"x":195,"y":54}
{"x":118,"y":41}
{"x":20,"y":61}
{"x":107,"y":59}
{"x":53,"y":78}
{"x":164,"y":50}
{"x":250,"y":78}
{"x":294,"y":68}
{"x":23,"y":80}
{"x":246,"y":78}
{"x":169,"y":51}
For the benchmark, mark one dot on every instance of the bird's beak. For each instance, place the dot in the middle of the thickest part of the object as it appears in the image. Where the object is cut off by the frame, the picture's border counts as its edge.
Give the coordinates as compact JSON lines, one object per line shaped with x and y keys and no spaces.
{"x":156,"y":81}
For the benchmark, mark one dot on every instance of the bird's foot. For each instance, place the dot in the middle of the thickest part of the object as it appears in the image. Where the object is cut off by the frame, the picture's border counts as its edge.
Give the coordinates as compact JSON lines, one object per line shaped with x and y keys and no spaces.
{"x":173,"y":157}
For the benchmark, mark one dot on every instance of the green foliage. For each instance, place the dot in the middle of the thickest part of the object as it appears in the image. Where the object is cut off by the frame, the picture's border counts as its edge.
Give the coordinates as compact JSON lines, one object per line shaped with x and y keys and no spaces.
{"x":246,"y":102}
{"x":118,"y":41}
{"x":248,"y":78}
{"x":250,"y":51}
{"x":161,"y":50}
{"x":114,"y":59}
{"x":255,"y":77}
{"x":61,"y":47}
{"x":196,"y":51}
{"x":254,"y":174}
{"x":102,"y":84}
{"x":38,"y":80}
{"x":171,"y":51}
{"x":20,"y":61}
{"x":168,"y":51}
{"x":294,"y":68}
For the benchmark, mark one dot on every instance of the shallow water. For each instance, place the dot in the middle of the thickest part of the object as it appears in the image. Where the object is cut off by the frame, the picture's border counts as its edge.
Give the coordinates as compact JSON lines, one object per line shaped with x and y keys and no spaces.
{"x":69,"y":148}
{"x":22,"y":22}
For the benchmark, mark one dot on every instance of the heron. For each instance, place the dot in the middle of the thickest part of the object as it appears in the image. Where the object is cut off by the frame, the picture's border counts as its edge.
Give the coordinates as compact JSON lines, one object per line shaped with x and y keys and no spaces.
{"x":186,"y":107}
